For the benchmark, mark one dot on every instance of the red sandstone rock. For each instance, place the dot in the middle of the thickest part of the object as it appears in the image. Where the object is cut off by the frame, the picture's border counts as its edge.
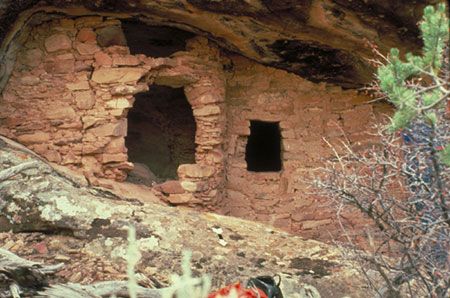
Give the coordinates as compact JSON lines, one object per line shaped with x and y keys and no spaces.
{"x":127,"y":60}
{"x":207,"y":111}
{"x":102,"y":59}
{"x":85,"y":100}
{"x":170,"y":187}
{"x":182,"y":199}
{"x":86,"y":35}
{"x":30,"y":80}
{"x":189,"y":186}
{"x":116,"y":157}
{"x":57,"y":42}
{"x":111,"y":36}
{"x":60,"y":66}
{"x":80,"y":85}
{"x":195,"y":171}
{"x":32,"y":57}
{"x":110,"y":129}
{"x":61,"y":113}
{"x":127,"y":89}
{"x":119,"y":103}
{"x":86,"y":48}
{"x":116,"y":145}
{"x":121,"y":75}
{"x":36,"y":137}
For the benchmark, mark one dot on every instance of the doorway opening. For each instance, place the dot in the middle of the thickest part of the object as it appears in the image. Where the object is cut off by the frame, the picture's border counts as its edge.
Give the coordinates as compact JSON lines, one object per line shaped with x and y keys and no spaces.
{"x":161,"y":134}
{"x":263,"y":150}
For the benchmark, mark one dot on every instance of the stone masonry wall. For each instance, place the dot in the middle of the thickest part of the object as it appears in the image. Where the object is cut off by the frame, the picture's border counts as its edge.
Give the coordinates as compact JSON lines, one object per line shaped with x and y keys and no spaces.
{"x":306,"y":113}
{"x":73,"y":83}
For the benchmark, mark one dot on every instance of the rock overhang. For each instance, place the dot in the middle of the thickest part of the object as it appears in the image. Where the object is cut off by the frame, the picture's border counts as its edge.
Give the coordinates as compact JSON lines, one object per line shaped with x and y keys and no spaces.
{"x":322,"y":41}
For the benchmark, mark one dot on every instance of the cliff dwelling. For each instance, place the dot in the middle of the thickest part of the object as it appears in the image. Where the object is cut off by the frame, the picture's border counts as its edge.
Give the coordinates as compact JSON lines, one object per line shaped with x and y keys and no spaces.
{"x":277,"y":146}
{"x":231,"y":127}
{"x":121,"y":101}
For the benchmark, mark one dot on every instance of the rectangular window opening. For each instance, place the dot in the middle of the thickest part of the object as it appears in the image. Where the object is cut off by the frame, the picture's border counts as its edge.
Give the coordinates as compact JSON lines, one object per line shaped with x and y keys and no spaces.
{"x":263,"y":150}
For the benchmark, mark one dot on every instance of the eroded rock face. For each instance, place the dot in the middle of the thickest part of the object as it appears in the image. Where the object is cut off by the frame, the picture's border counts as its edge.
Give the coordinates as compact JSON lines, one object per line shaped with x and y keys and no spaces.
{"x":41,"y":199}
{"x":319,"y":40}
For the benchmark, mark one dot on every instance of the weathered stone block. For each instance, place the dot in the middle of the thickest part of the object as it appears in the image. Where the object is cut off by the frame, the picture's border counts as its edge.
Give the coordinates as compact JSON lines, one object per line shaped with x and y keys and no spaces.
{"x":86,"y":48}
{"x":119,"y":103}
{"x":110,"y":129}
{"x":195,"y":171}
{"x":80,"y":85}
{"x":32,"y":57}
{"x":128,"y":90}
{"x":207,"y":111}
{"x":86,"y":35}
{"x":189,"y":186}
{"x":57,"y":42}
{"x":170,"y":187}
{"x":110,"y":36}
{"x":182,"y":199}
{"x":61,"y":113}
{"x":127,"y":60}
{"x":102,"y":59}
{"x":119,"y":75}
{"x":30,"y":80}
{"x":85,"y":100}
{"x":116,"y":157}
{"x":36,"y":137}
{"x":116,"y":145}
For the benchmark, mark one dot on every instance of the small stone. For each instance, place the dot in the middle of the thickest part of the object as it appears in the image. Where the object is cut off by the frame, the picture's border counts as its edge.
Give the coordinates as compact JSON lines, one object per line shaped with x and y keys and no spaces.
{"x":86,"y":35}
{"x":86,"y":48}
{"x":110,"y":129}
{"x":102,"y":59}
{"x":85,"y":100}
{"x":110,"y":36}
{"x":41,"y":248}
{"x":128,"y":90}
{"x":36,"y":137}
{"x":207,"y":111}
{"x":120,"y":75}
{"x":32,"y":57}
{"x":58,"y":42}
{"x":195,"y":171}
{"x":182,"y":199}
{"x":170,"y":187}
{"x":128,"y":60}
{"x":81,"y":85}
{"x":61,"y":113}
{"x":119,"y":103}
{"x":189,"y":186}
{"x":30,"y":80}
{"x":60,"y":66}
{"x":117,"y":157}
{"x":62,"y":258}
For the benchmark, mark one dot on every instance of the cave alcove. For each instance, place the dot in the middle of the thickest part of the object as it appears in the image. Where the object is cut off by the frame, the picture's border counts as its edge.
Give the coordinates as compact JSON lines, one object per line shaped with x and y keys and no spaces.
{"x":161,"y":134}
{"x":154,"y":41}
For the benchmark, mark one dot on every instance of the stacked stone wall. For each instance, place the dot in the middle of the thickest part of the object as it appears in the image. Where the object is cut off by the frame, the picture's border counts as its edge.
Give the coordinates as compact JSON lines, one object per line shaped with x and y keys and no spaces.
{"x":309,"y":116}
{"x":73,"y":84}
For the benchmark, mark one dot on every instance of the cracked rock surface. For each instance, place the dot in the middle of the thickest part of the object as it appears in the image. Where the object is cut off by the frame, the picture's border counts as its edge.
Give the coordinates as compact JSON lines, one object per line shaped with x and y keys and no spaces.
{"x":321,"y":40}
{"x":91,"y":223}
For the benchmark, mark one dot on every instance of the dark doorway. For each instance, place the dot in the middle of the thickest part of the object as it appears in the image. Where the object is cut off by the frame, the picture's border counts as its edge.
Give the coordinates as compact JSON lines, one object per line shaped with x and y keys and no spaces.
{"x":161,"y":131}
{"x":154,"y":41}
{"x":263,"y":151}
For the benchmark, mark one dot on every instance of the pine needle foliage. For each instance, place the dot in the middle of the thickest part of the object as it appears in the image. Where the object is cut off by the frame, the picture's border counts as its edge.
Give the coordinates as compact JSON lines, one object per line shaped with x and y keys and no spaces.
{"x":419,"y":86}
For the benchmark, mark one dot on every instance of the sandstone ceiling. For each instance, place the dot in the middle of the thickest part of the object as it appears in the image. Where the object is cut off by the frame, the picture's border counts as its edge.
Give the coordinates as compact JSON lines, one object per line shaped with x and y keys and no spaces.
{"x":321,"y":40}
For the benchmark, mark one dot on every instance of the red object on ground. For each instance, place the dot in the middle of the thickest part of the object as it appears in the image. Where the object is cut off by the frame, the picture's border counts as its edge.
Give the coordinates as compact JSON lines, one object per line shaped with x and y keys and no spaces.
{"x":241,"y":292}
